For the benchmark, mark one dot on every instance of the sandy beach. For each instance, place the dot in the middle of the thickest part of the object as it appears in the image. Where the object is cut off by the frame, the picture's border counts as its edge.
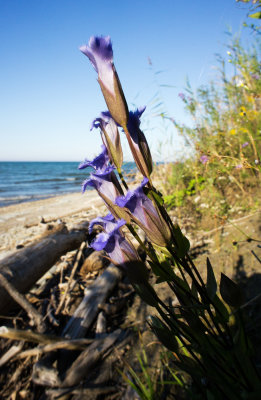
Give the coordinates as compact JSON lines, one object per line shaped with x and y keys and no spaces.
{"x":23,"y":223}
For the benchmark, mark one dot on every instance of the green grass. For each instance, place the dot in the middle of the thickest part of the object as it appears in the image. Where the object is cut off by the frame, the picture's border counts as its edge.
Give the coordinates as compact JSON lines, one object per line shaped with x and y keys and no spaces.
{"x":225,"y":137}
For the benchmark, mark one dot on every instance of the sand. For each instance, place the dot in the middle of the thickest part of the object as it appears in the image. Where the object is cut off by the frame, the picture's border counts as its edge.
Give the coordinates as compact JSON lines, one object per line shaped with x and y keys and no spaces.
{"x":23,"y":223}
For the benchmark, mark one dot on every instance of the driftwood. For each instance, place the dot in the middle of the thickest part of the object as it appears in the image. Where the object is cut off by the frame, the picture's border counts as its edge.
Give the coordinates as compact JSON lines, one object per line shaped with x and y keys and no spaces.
{"x":52,"y":342}
{"x":35,"y":317}
{"x":90,"y":357}
{"x":11,"y":353}
{"x":88,"y":309}
{"x":23,"y":268}
{"x":68,"y":286}
{"x":78,"y":324}
{"x":91,"y":393}
{"x":101,"y":324}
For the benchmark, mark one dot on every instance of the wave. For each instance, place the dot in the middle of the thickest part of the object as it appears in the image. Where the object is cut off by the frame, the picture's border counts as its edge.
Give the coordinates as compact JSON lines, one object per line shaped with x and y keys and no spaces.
{"x":34,"y":181}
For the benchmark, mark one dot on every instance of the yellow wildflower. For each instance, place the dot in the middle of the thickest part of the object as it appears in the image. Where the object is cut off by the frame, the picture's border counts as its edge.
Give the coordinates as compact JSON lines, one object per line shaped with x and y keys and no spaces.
{"x":242,"y":111}
{"x":232,"y":131}
{"x":250,"y":99}
{"x":251,"y":114}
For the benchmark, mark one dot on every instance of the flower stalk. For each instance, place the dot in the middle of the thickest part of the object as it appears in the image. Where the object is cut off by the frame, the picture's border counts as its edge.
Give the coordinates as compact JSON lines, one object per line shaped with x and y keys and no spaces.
{"x":199,"y":333}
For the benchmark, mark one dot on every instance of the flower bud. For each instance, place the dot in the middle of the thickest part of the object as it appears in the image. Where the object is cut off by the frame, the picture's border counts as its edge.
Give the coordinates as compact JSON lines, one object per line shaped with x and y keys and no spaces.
{"x":138,"y":143}
{"x":110,"y":137}
{"x":144,"y":213}
{"x":99,"y":51}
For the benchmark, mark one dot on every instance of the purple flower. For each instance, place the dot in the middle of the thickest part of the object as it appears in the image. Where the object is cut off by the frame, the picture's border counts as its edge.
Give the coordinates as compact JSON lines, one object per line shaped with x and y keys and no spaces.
{"x":105,"y":182}
{"x":99,"y":51}
{"x":138,"y":143}
{"x":239,"y":166}
{"x":256,"y":76}
{"x":145,"y":214}
{"x":182,"y":96}
{"x":110,"y":137}
{"x":115,"y":245}
{"x":106,"y":222}
{"x":245,"y":144}
{"x":204,"y":159}
{"x":99,"y":163}
{"x":108,"y":188}
{"x":120,"y":251}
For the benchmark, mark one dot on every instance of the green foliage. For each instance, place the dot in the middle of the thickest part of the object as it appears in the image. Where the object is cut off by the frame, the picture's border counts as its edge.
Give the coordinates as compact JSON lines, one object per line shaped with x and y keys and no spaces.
{"x":225,"y":134}
{"x":206,"y":333}
{"x":149,"y":381}
{"x":254,"y":12}
{"x":186,"y":187}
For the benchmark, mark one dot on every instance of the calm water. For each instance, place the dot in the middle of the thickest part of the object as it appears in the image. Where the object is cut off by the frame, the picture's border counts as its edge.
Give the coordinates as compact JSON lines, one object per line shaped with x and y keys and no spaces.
{"x":29,"y":181}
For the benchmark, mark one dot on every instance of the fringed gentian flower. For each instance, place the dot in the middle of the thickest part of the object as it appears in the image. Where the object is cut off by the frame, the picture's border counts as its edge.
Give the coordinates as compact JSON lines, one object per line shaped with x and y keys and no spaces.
{"x":99,"y":51}
{"x":99,"y":163}
{"x":119,"y":250}
{"x":108,"y":187}
{"x":106,"y":222}
{"x":138,"y":143}
{"x":110,"y":137}
{"x":105,"y":182}
{"x":145,"y":214}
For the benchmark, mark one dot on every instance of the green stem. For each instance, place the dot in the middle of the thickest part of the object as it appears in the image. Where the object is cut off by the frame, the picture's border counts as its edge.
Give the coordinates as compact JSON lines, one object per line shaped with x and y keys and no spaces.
{"x":122,"y":179}
{"x":152,"y":256}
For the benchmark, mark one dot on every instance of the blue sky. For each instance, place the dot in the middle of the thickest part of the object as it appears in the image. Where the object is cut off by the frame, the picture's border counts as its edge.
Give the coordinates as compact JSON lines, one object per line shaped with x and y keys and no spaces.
{"x":48,"y":90}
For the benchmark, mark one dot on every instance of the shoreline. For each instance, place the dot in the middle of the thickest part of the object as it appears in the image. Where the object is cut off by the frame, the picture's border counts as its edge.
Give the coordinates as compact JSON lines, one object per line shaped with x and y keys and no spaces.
{"x":23,"y":223}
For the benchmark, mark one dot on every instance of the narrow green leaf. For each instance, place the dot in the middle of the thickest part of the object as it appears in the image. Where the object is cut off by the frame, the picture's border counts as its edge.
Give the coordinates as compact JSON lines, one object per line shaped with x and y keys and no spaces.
{"x":194,"y":291}
{"x":147,"y":293}
{"x":183,"y":244}
{"x":211,"y":285}
{"x":157,"y":196}
{"x":230,"y":292}
{"x":163,"y":333}
{"x":256,"y":15}
{"x":163,"y":271}
{"x":221,"y":310}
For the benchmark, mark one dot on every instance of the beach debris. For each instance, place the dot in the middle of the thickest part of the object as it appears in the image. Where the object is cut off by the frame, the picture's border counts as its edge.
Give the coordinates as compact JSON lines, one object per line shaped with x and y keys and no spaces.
{"x":11,"y":353}
{"x":36,"y":319}
{"x":101,"y":324}
{"x":69,"y":283}
{"x":88,"y":309}
{"x":90,"y":357}
{"x":23,"y":268}
{"x":96,"y":261}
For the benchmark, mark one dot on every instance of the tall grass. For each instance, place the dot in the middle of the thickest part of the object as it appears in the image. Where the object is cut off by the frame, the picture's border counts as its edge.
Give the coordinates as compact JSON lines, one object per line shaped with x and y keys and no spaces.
{"x":225,"y":133}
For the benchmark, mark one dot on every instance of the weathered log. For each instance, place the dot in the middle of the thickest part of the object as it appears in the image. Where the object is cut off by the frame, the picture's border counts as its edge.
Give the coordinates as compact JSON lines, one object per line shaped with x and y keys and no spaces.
{"x":89,"y":358}
{"x":24,"y":267}
{"x":52,"y":342}
{"x":88,"y":309}
{"x":101,"y":325}
{"x":35,"y":318}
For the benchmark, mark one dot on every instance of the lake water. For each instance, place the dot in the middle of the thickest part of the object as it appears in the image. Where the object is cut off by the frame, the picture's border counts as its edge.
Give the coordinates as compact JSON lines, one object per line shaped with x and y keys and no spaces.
{"x":29,"y":181}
